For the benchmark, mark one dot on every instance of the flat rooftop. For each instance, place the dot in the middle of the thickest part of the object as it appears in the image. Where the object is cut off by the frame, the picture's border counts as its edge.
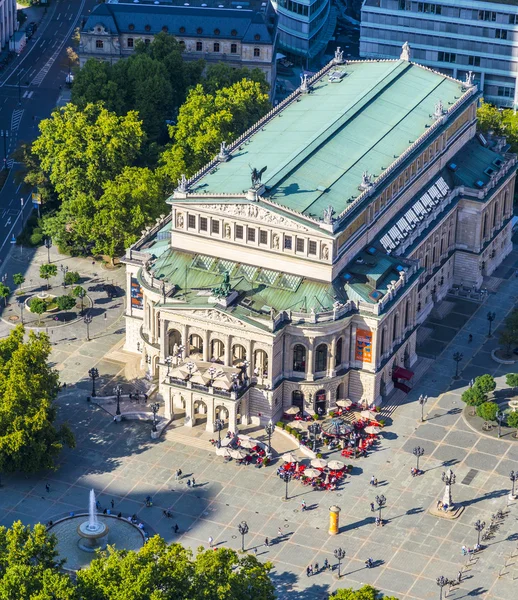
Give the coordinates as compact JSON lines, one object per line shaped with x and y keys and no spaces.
{"x":317,"y":148}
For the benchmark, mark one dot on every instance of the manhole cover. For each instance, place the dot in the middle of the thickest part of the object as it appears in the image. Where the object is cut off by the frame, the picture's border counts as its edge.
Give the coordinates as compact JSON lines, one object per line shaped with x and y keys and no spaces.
{"x":338,"y":494}
{"x":286,"y":526}
{"x":234,"y":537}
{"x":295,"y":510}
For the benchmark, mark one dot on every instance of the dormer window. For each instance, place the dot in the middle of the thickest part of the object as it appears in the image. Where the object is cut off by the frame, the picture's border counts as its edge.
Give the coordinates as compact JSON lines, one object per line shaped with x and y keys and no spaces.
{"x":165,"y":28}
{"x":199,"y":30}
{"x":131,"y":27}
{"x":182,"y":29}
{"x":147,"y":27}
{"x":233,"y":32}
{"x":217,"y":31}
{"x":257,"y":36}
{"x":99,"y":44}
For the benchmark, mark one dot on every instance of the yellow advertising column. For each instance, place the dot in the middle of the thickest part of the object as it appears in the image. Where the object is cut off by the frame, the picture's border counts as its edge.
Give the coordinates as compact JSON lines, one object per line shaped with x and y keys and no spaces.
{"x":334,"y":520}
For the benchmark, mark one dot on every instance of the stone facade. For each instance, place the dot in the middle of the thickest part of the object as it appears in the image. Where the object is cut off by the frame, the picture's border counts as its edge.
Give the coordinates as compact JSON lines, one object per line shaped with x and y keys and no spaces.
{"x":313,"y":355}
{"x":8,"y":21}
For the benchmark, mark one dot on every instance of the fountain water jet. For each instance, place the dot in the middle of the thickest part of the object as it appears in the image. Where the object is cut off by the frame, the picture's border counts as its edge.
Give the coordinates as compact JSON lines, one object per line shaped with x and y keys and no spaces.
{"x":93,"y":533}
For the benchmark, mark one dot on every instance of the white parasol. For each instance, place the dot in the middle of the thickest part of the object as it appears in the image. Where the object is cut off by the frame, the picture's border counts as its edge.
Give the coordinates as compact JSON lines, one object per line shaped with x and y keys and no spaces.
{"x":319,"y":462}
{"x":292,"y":410}
{"x":312,"y":473}
{"x":336,"y":465}
{"x":238,"y":453}
{"x":289,"y":458}
{"x":372,"y":429}
{"x":344,"y":403}
{"x":223,"y":451}
{"x":369,"y":414}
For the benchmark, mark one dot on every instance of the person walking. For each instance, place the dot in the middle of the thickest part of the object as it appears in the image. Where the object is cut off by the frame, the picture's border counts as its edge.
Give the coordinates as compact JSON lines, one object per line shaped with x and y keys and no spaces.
{"x":188,"y":483}
{"x":459,"y":576}
{"x":211,"y":540}
{"x":470,"y":338}
{"x":47,"y":487}
{"x":193,"y":482}
{"x":303,"y":505}
{"x":373,"y":479}
{"x":266,"y":542}
{"x":279,"y":532}
{"x":372,"y":507}
{"x":113,"y":503}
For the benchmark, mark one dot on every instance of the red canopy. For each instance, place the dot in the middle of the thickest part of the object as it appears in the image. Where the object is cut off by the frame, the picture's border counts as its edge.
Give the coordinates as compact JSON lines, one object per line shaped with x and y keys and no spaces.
{"x":401,"y":373}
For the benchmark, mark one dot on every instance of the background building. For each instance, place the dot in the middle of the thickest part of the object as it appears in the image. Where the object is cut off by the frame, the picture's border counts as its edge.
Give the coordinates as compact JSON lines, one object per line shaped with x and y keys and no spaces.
{"x":305,"y":281}
{"x":214,"y":30}
{"x":7,"y":20}
{"x":305,"y":27}
{"x":453,"y":36}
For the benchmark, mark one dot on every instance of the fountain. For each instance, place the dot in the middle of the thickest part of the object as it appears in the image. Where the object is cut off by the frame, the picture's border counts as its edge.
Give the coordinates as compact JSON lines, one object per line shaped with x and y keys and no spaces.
{"x":93,"y":533}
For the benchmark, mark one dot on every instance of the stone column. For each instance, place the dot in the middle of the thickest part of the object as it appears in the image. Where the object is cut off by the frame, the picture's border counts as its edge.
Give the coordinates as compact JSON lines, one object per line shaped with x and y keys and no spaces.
{"x":228,"y":351}
{"x":189,"y":411}
{"x":168,"y":404}
{"x":232,"y":418}
{"x":310,"y":373}
{"x":210,"y":414}
{"x":163,"y":340}
{"x":206,"y":346}
{"x":331,"y":370}
{"x":185,"y":340}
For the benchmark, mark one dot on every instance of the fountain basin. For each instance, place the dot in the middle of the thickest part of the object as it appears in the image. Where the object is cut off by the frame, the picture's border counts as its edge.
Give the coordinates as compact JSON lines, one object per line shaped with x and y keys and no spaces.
{"x":92,"y":538}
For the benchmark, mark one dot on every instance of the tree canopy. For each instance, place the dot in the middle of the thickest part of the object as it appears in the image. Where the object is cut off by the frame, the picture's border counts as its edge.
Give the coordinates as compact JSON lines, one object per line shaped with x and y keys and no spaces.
{"x":29,"y":439}
{"x":487,"y":411}
{"x":501,"y":122}
{"x":366,"y":592}
{"x":485,"y":383}
{"x":473,"y":396}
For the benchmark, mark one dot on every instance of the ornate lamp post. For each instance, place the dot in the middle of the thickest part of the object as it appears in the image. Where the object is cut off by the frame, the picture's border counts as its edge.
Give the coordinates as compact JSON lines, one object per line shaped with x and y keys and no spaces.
{"x":94,"y":374}
{"x":269,"y":428}
{"x":154,"y":409}
{"x":441,"y":582}
{"x":218,"y":426}
{"x":500,"y":417}
{"x":479,"y":526}
{"x":339,"y":555}
{"x":422,"y":401}
{"x":286,"y":477}
{"x":48,"y":245}
{"x":87,"y":319}
{"x":179,"y":353}
{"x":118,"y":391}
{"x":244,"y":366}
{"x":212,"y":371}
{"x":381,"y":501}
{"x":418,"y":452}
{"x":457,"y":357}
{"x":243,"y":530}
{"x":513,"y":476}
{"x":190,"y":366}
{"x":168,"y":361}
{"x":315,"y":429}
{"x":21,"y":304}
{"x":64,"y":270}
{"x":491,"y":316}
{"x":448,"y":479}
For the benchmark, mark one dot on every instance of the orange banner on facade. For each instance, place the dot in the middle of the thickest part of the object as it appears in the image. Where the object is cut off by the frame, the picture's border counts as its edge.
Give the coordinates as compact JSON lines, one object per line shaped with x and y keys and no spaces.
{"x":364,"y":345}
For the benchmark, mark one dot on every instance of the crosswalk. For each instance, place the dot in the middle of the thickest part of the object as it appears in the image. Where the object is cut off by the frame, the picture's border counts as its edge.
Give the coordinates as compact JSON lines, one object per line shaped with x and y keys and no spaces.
{"x":46,"y":67}
{"x":28,"y":95}
{"x":16,"y":118}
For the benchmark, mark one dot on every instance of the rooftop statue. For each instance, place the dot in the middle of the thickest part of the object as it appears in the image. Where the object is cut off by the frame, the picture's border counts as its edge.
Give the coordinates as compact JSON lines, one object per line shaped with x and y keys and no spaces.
{"x":257,"y":175}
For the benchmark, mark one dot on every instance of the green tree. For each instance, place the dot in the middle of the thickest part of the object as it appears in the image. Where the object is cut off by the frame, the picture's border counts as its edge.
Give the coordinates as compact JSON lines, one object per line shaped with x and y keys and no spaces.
{"x":65,"y":302}
{"x":507,"y":338}
{"x":18,"y":279}
{"x":4,"y":292}
{"x":130,"y":202}
{"x":511,"y":379}
{"x":38,"y":306}
{"x":47,"y":271}
{"x":487,"y":411}
{"x":473,"y":396}
{"x":206,"y":120}
{"x":221,"y":75}
{"x":366,"y":592}
{"x":80,"y":150}
{"x":72,"y":277}
{"x":485,"y":383}
{"x":489,"y":118}
{"x":80,"y":292}
{"x":30,"y":565}
{"x":29,"y":440}
{"x":512,"y":421}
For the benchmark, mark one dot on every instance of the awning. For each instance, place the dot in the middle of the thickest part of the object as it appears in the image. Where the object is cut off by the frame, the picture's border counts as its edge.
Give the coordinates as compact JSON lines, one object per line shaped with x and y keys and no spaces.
{"x":400,"y":373}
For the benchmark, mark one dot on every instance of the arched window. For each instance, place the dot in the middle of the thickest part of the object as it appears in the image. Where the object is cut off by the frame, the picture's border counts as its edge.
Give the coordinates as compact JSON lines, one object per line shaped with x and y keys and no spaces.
{"x":442,"y":246}
{"x":195,"y":346}
{"x":434,"y":254}
{"x":260,"y":363}
{"x":340,"y":392}
{"x":395,"y":328}
{"x":338,"y":352}
{"x":484,"y":228}
{"x":297,"y":399}
{"x":217,"y":351}
{"x":495,"y":211}
{"x":238,"y":354}
{"x":299,"y":358}
{"x":506,"y":197}
{"x":383,"y":341}
{"x":426,"y":261}
{"x":321,"y":358}
{"x":407,"y":314}
{"x":174,"y":339}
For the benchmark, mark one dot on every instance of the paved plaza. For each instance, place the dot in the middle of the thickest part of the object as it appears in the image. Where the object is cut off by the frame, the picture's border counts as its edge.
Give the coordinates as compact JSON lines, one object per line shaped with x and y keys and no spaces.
{"x":121,"y":462}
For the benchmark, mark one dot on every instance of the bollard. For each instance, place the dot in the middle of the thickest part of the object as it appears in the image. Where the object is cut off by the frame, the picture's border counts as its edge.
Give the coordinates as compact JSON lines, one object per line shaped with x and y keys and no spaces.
{"x":334,"y":520}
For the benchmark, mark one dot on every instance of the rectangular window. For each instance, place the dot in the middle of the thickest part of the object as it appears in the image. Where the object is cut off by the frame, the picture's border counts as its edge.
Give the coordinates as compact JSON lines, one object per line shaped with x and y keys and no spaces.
{"x":448,"y":57}
{"x":257,"y":52}
{"x":99,"y":44}
{"x":506,"y":92}
{"x":263,"y":237}
{"x":239,"y":232}
{"x":513,"y":19}
{"x":474,"y":61}
{"x":233,"y":48}
{"x":312,"y":248}
{"x":287,"y":242}
{"x":405,"y":5}
{"x":130,"y":42}
{"x":191,"y":222}
{"x":486,"y":15}
{"x":216,"y":46}
{"x":501,"y":34}
{"x":250,"y":234}
{"x":426,"y":7}
{"x":203,"y":224}
{"x":215,"y":226}
{"x":300,"y":245}
{"x":199,"y":46}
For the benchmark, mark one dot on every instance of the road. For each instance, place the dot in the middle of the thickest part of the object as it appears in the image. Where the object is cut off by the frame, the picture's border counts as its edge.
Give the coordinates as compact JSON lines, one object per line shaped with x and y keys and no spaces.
{"x":30,"y":88}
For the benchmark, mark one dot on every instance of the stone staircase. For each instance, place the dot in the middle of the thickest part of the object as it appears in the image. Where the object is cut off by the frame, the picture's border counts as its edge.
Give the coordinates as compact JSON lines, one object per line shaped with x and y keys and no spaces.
{"x":178,"y":436}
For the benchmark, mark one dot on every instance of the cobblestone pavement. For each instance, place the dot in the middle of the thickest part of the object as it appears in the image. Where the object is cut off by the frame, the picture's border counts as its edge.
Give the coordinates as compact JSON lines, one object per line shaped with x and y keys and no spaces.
{"x":122,"y":463}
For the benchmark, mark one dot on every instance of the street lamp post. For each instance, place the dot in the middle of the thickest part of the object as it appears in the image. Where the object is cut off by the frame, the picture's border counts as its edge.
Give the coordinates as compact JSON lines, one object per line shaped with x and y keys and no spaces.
{"x":479,"y":526}
{"x":442,"y":582}
{"x":286,"y":477}
{"x":212,"y":371}
{"x":339,"y":555}
{"x":118,"y":391}
{"x":269,"y":428}
{"x":381,"y":501}
{"x":218,"y":426}
{"x":190,"y":366}
{"x":168,"y":361}
{"x":418,"y":452}
{"x":87,"y":319}
{"x":48,"y":245}
{"x":491,"y":316}
{"x":499,"y":419}
{"x":243,"y":530}
{"x":154,"y":409}
{"x":457,"y":357}
{"x":513,"y":476}
{"x":21,"y":304}
{"x":422,"y":401}
{"x":448,"y":479}
{"x":314,"y":429}
{"x":94,"y":374}
{"x":64,"y":270}
{"x":244,"y":366}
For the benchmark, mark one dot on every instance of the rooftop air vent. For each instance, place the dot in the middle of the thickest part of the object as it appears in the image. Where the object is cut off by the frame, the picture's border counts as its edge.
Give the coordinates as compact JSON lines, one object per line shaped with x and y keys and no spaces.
{"x":489,"y":171}
{"x":452,"y":166}
{"x":479,"y":184}
{"x":348,"y":277}
{"x":371,"y":250}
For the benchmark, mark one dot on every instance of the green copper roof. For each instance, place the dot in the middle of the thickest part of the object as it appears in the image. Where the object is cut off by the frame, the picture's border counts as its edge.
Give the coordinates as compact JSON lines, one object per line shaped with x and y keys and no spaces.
{"x":317,"y":148}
